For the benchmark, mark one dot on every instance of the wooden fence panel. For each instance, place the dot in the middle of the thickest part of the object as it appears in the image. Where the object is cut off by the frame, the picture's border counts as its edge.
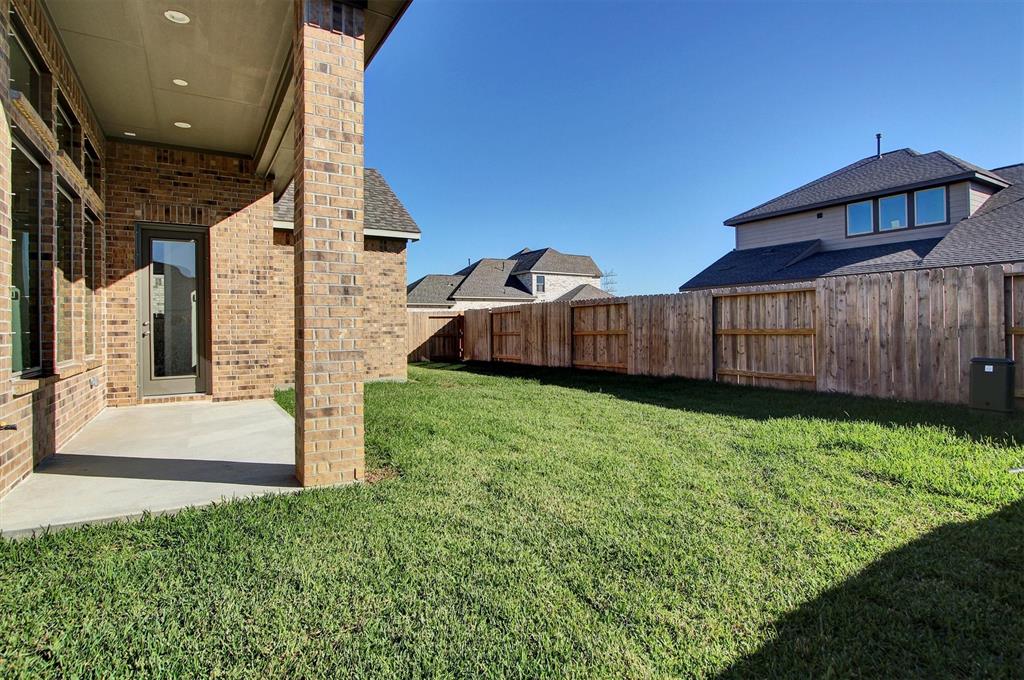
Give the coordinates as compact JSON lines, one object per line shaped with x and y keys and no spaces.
{"x":912,"y":334}
{"x":434,"y":336}
{"x":476,"y":342}
{"x":904,"y":335}
{"x":1013,"y":294}
{"x":506,"y":334}
{"x":600,"y":336}
{"x":545,"y":332}
{"x":766,"y":339}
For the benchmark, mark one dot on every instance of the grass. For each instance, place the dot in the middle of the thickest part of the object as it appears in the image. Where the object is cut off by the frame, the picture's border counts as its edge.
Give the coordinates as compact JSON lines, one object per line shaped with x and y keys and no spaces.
{"x":552,"y":523}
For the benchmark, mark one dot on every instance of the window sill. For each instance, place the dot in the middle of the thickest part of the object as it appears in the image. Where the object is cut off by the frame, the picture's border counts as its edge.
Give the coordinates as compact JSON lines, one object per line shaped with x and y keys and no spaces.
{"x":22,"y":386}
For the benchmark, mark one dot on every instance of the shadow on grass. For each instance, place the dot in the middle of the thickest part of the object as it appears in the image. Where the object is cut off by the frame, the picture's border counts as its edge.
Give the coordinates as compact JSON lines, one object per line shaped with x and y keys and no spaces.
{"x":762,"y":403}
{"x":947,"y":605}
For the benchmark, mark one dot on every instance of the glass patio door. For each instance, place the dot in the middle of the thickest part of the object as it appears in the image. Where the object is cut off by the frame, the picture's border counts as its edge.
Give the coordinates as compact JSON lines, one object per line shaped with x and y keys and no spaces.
{"x":172,"y":326}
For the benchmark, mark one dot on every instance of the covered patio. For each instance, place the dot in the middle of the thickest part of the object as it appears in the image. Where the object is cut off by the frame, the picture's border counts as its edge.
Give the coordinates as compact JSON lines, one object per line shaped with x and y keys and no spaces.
{"x":143,"y":148}
{"x":157,"y":459}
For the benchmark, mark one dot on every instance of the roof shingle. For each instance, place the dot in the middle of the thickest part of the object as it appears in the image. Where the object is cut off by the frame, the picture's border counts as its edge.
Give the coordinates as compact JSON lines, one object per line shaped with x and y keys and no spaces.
{"x":993,"y":234}
{"x":382,"y":208}
{"x":867,"y":177}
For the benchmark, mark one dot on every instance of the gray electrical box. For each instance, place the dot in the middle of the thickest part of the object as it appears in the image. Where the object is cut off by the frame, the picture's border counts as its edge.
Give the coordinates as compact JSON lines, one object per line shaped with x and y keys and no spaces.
{"x":992,"y":384}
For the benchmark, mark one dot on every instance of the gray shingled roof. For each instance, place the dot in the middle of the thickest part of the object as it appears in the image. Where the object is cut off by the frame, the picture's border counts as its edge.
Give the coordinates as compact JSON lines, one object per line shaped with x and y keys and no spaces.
{"x":382,"y":208}
{"x":551,"y":261}
{"x":584,"y":292}
{"x":995,"y":233}
{"x":871,"y":176}
{"x":491,"y":278}
{"x":433,"y":289}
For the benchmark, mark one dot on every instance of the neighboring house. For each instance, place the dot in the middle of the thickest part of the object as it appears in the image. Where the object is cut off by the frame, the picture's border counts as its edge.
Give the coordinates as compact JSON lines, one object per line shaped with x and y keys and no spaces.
{"x":142,"y":150}
{"x":528,"y":276}
{"x":387,"y":228}
{"x":893,"y":211}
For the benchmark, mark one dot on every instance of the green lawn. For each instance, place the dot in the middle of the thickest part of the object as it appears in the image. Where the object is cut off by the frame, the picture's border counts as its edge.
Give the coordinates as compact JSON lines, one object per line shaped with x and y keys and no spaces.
{"x":552,"y":523}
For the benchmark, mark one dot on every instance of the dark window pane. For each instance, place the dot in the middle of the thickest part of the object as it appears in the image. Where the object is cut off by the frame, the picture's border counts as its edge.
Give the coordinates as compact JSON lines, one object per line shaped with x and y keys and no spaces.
{"x":64,"y":130}
{"x":25,"y":219}
{"x":859,"y":218}
{"x":89,"y":255}
{"x":24,"y":75}
{"x":930,"y":206}
{"x":65,"y":273}
{"x":173,"y":310}
{"x":892,"y":212}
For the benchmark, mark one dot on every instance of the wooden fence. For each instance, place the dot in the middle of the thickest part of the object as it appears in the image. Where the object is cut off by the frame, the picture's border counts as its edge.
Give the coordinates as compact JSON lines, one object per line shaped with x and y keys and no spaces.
{"x":434,"y":336}
{"x":906,"y":335}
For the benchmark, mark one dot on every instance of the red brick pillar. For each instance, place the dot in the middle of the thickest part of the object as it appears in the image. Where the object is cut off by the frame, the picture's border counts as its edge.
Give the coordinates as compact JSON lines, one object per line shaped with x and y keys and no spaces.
{"x":328,"y":75}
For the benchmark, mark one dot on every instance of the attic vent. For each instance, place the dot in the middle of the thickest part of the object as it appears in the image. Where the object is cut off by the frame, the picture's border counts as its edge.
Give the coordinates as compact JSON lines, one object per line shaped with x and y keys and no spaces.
{"x":820,"y":215}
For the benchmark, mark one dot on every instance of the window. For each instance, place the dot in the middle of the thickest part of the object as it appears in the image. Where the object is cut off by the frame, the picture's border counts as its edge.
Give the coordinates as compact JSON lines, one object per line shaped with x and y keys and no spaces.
{"x":64,"y":264}
{"x":91,"y":169}
{"x":64,"y":130}
{"x":26,"y":178}
{"x":892,"y":213}
{"x":25,"y":75}
{"x":90,"y":253}
{"x":860,"y":218}
{"x":930,"y":206}
{"x":540,"y":283}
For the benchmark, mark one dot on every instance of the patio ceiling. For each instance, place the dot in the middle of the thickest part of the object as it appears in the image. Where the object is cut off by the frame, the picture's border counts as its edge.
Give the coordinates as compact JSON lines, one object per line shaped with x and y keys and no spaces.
{"x":234,"y":55}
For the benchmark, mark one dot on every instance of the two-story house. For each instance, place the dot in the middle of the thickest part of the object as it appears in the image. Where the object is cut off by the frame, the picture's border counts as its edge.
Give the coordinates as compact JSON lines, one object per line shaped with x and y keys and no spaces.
{"x":527,"y":276}
{"x":893,"y":211}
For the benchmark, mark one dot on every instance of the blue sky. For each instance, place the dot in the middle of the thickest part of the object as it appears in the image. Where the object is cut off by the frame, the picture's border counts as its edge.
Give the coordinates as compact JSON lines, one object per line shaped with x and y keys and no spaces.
{"x":630,"y":130}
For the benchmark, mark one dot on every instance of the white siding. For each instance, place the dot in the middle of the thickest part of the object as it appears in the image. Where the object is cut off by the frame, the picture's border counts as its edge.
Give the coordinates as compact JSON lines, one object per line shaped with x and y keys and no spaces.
{"x":831,"y":228}
{"x":557,"y":285}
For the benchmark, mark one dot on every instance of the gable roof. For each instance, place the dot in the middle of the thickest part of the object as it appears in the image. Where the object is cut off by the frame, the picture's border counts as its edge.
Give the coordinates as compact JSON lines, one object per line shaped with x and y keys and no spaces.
{"x":382,"y":211}
{"x":994,"y":233}
{"x":896,"y":170}
{"x":433,"y":289}
{"x":585,"y":291}
{"x":492,"y":279}
{"x":551,"y":261}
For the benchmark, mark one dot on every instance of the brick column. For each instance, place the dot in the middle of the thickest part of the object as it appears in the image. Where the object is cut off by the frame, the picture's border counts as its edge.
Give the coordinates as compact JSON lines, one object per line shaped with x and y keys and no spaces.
{"x":327,"y":67}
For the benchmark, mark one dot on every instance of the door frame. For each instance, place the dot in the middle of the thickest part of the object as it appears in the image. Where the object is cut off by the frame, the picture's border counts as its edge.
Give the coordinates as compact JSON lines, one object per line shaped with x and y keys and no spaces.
{"x":144,"y":230}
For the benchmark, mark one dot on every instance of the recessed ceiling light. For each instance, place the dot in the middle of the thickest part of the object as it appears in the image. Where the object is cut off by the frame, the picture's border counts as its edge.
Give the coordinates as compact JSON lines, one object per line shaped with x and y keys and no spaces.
{"x":177,"y":17}
{"x":183,"y":125}
{"x":180,"y":82}
{"x":129,"y":134}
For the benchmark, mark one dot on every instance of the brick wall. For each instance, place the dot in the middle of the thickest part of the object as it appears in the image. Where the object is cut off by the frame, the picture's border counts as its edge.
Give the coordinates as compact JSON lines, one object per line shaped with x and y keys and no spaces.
{"x":384,"y":318}
{"x":282,"y":302}
{"x":51,"y":409}
{"x":169,"y":186}
{"x":47,"y":413}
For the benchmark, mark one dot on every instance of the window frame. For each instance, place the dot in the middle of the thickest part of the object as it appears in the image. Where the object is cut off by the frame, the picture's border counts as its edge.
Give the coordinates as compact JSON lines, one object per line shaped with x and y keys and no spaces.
{"x":945,"y":206}
{"x":61,"y":190}
{"x":906,"y":213}
{"x":33,"y":371}
{"x":874,"y":222}
{"x":15,"y":31}
{"x":91,"y":158}
{"x":89,"y":248}
{"x":60,"y":111}
{"x":540,"y":284}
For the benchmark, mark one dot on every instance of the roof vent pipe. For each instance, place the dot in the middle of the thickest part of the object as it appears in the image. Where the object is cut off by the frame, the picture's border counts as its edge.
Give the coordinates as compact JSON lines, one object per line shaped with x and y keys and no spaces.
{"x":878,"y":144}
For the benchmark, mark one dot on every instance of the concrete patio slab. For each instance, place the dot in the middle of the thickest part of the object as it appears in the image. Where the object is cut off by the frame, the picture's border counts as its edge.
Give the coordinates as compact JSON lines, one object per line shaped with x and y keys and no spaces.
{"x":157,"y":459}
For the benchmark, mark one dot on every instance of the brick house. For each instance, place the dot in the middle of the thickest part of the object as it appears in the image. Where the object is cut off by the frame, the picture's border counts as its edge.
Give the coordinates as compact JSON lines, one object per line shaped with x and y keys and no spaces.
{"x":543,"y":275}
{"x":387,"y":229}
{"x":143,"y":151}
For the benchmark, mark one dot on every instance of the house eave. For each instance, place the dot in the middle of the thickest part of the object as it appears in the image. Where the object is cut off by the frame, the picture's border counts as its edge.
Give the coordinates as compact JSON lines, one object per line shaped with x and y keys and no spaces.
{"x":973,"y":176}
{"x":378,"y":233}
